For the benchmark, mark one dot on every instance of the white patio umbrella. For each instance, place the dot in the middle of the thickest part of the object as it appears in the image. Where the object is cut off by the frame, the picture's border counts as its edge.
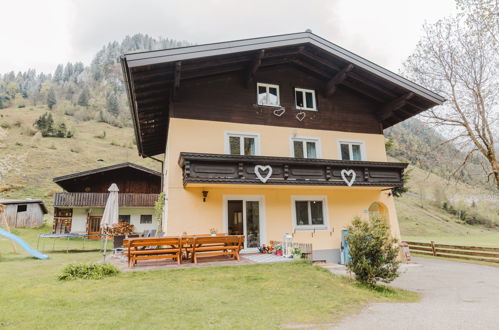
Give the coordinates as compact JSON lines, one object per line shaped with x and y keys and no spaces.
{"x":111,"y":212}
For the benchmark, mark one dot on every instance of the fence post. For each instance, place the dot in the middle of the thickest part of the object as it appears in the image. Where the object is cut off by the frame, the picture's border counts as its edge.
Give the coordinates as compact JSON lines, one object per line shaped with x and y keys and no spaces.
{"x":433,"y":248}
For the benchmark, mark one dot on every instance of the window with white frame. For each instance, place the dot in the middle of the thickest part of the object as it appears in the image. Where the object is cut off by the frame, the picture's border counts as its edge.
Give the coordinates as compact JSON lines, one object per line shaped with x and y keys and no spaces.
{"x":305,"y":99}
{"x":351,"y":150}
{"x":309,"y":212}
{"x":241,"y":144}
{"x":267,"y":94}
{"x":124,"y":218}
{"x":145,"y":219}
{"x":305,"y":147}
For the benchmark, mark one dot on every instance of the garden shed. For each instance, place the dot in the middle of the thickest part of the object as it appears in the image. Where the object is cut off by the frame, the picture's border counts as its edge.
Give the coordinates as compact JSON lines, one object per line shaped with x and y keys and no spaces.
{"x":23,"y":212}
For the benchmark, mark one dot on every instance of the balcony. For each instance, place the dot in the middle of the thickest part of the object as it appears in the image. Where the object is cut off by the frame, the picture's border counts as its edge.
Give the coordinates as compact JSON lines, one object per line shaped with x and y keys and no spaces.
{"x":81,"y":199}
{"x":262,"y":170}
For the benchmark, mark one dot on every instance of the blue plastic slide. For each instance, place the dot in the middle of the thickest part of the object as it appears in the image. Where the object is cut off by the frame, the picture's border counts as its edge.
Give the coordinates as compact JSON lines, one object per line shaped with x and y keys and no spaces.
{"x":23,"y":244}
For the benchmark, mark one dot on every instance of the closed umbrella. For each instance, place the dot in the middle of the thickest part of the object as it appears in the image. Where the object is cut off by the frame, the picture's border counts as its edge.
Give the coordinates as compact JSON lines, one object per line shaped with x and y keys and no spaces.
{"x":111,"y":212}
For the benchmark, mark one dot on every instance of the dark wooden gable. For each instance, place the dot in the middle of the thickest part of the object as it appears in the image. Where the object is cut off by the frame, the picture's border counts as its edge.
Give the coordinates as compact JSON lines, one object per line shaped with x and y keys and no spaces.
{"x":130,"y":179}
{"x":160,"y":83}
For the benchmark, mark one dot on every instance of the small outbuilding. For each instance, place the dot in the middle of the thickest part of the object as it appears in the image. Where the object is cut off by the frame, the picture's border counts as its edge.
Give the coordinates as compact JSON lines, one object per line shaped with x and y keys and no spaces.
{"x":23,"y":212}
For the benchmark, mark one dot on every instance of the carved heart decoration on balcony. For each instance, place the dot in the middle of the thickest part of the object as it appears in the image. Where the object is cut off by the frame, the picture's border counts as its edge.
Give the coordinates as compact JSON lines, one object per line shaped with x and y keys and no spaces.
{"x":345,"y":173}
{"x":300,"y":115}
{"x":279,"y":112}
{"x":258,"y":172}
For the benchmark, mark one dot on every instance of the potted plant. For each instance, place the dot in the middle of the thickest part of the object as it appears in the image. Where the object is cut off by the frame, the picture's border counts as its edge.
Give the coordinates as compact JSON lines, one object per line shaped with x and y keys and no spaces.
{"x":296,"y":252}
{"x":278,"y":250}
{"x":119,"y":232}
{"x":213,"y":232}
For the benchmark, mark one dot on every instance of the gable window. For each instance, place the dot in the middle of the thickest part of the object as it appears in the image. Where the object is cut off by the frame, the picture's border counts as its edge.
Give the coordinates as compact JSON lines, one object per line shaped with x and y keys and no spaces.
{"x":145,"y":218}
{"x":241,"y":144}
{"x":22,"y":208}
{"x":124,"y":218}
{"x":305,"y":147}
{"x":305,"y":99}
{"x":351,"y":150}
{"x":309,"y":212}
{"x":268,"y":94}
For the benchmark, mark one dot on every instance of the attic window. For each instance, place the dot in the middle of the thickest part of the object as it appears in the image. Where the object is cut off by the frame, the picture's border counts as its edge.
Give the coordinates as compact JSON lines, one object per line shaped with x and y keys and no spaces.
{"x":22,"y":208}
{"x":268,"y":94}
{"x":305,"y":99}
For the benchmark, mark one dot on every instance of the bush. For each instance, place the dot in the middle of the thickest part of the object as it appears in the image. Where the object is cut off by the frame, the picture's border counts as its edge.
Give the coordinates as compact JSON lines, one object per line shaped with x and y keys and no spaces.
{"x":373,"y":252}
{"x":88,"y":271}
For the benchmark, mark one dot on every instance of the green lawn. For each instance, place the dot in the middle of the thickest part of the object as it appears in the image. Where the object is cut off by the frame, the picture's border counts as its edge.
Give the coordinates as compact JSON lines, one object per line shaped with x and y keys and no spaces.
{"x":247,"y":296}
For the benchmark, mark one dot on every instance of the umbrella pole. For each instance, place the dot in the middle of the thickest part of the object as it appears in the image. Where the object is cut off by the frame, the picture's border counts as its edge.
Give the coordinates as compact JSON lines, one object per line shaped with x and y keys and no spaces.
{"x":105,"y":244}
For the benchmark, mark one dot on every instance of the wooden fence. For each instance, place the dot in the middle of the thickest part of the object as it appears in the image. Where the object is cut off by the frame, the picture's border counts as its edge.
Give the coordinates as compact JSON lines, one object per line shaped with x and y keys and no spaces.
{"x":476,"y":253}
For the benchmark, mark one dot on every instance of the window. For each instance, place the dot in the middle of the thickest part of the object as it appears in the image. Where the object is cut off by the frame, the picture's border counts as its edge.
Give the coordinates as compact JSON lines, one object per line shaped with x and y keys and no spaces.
{"x":305,"y":147}
{"x":241,"y":144}
{"x":268,"y":94}
{"x":305,"y":99}
{"x":145,"y":218}
{"x":124,"y":218}
{"x":22,"y":208}
{"x":310,"y":212}
{"x":351,"y":150}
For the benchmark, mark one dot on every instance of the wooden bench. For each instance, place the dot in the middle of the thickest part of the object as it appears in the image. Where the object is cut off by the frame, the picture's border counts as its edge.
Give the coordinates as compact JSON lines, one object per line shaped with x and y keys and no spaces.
{"x":153,"y":248}
{"x":209,"y":246}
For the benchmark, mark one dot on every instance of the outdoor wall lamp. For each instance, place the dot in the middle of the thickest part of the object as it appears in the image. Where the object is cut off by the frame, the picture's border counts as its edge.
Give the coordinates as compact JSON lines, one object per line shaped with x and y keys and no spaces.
{"x":205,"y":194}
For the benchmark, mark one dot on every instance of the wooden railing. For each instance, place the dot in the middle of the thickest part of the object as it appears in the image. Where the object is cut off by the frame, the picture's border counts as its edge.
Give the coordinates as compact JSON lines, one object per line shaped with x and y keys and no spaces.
{"x":305,"y":248}
{"x":476,"y":253}
{"x":77,"y":199}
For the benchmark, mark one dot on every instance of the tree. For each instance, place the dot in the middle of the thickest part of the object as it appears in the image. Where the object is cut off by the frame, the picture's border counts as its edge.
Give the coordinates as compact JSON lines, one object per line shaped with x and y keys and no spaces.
{"x":84,"y":97}
{"x":373,"y":252}
{"x":112,"y":104}
{"x":58,"y":74}
{"x":51,"y":99}
{"x":45,"y":124}
{"x":458,"y":57}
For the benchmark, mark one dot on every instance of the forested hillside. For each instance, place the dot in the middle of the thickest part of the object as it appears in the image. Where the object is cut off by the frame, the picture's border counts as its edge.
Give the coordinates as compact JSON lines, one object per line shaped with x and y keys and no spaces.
{"x":85,"y":92}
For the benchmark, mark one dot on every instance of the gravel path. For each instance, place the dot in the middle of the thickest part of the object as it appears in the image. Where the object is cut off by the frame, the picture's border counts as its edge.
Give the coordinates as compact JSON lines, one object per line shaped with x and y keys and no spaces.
{"x":455,"y":295}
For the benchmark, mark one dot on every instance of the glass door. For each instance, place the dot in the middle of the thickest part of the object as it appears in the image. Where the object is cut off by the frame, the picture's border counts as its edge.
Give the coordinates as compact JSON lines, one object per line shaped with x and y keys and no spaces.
{"x":243,"y":218}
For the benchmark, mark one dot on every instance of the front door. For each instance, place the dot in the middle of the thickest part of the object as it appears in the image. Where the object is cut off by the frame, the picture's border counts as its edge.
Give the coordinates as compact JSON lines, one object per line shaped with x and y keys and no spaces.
{"x":243,"y":218}
{"x":93,"y":227}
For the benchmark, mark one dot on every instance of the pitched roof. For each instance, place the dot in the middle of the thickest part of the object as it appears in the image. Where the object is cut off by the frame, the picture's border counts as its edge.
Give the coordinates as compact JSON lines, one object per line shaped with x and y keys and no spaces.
{"x":59,"y":179}
{"x":25,"y":201}
{"x":152,"y":75}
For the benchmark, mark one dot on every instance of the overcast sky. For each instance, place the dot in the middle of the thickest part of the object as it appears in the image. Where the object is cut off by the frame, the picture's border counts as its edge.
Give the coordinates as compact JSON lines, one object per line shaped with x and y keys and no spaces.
{"x":41,"y":34}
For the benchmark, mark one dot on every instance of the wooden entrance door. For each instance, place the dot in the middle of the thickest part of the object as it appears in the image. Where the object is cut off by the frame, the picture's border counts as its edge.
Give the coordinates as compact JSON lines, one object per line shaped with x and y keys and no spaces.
{"x":93,"y":227}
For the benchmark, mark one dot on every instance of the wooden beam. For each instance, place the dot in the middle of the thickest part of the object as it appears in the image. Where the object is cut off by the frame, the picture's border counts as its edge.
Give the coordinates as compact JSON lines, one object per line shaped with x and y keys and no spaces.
{"x":176,"y":79}
{"x":253,"y":67}
{"x":337,"y":79}
{"x":389,"y":108}
{"x":318,"y":59}
{"x":310,"y":68}
{"x":364,"y":91}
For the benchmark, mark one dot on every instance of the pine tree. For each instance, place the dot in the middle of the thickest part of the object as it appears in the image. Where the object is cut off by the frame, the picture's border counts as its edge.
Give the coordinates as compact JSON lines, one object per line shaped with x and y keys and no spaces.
{"x":84,"y":97}
{"x":112,"y":104}
{"x":58,"y":74}
{"x":51,"y":99}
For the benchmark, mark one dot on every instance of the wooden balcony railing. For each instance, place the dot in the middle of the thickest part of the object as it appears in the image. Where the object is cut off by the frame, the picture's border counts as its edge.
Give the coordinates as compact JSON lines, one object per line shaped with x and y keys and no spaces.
{"x":81,"y":199}
{"x":263,"y":170}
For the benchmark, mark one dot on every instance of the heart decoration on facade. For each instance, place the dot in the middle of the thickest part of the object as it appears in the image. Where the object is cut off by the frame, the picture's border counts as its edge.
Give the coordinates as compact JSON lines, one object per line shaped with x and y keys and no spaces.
{"x":259,"y":169}
{"x":300,"y":115}
{"x":345,"y":173}
{"x":279,"y":112}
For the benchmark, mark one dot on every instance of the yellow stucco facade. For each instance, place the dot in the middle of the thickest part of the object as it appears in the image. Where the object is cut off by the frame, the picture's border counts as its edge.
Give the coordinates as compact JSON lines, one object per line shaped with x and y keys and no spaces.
{"x":186,"y":211}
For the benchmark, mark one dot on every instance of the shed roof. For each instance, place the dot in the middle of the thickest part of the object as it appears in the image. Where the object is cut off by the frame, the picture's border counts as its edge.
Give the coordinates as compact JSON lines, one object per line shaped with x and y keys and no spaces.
{"x":152,"y":76}
{"x":25,"y":201}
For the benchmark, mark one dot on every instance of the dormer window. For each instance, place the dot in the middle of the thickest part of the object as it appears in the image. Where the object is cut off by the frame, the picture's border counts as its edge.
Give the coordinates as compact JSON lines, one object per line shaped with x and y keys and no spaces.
{"x":268,"y":94}
{"x":305,"y":99}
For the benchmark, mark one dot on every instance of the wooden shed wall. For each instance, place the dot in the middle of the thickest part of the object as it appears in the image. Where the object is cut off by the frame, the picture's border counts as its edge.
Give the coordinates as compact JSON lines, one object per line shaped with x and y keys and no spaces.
{"x":32,"y":217}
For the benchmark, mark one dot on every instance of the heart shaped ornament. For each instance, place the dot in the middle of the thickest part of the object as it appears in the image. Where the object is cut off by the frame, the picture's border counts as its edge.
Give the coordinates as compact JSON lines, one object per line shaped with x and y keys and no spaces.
{"x":300,"y":115}
{"x":259,"y":169}
{"x":279,"y":112}
{"x":345,"y":173}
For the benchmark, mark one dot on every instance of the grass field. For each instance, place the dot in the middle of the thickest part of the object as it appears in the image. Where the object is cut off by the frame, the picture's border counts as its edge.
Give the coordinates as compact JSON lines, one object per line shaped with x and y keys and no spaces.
{"x":246,"y":296}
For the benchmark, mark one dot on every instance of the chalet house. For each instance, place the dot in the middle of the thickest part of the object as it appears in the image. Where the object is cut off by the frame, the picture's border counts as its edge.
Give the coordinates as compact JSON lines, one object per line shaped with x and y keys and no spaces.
{"x":272,"y":135}
{"x":26,"y":213}
{"x":80,"y":207}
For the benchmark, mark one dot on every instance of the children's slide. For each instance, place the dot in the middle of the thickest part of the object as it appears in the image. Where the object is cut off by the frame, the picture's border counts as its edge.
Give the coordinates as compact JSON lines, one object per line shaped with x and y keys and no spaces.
{"x":23,"y":244}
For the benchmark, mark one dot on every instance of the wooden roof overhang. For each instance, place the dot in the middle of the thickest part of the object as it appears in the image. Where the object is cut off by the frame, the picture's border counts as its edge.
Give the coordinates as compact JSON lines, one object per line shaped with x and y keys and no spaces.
{"x":66,"y":180}
{"x":25,"y":201}
{"x":152,"y":78}
{"x":214,"y":169}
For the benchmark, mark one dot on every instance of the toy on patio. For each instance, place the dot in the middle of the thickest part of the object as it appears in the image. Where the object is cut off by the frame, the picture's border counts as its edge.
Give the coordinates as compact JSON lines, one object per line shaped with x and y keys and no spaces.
{"x":15,"y":239}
